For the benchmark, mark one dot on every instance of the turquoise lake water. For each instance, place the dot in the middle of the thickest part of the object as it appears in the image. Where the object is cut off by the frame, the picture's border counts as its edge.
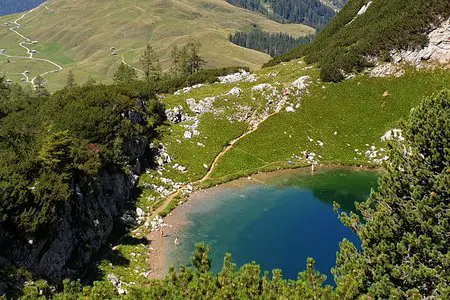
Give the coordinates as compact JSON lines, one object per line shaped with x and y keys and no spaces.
{"x":277,"y":224}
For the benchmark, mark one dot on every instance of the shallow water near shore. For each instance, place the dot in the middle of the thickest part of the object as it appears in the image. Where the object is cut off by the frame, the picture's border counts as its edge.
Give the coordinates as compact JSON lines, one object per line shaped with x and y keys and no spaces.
{"x":276,"y":220}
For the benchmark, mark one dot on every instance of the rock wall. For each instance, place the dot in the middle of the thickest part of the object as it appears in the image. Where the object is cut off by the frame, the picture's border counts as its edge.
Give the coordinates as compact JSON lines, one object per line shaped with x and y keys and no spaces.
{"x":84,"y":226}
{"x":437,"y":50}
{"x":436,"y":53}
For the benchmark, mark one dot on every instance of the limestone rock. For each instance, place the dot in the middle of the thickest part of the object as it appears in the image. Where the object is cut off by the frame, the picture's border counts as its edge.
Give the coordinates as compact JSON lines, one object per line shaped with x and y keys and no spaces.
{"x":237,"y":77}
{"x":387,"y":70}
{"x":187,"y":135}
{"x":290,"y":109}
{"x":175,"y":115}
{"x":301,"y":83}
{"x":235,"y":92}
{"x":437,"y":50}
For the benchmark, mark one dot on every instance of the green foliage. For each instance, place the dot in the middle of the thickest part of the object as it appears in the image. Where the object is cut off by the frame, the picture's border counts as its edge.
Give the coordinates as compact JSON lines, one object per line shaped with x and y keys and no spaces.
{"x":150,"y":64}
{"x":47,"y":142}
{"x":169,"y":84}
{"x":200,"y":283}
{"x":313,"y":13}
{"x":124,"y":74}
{"x":404,"y":232}
{"x":274,"y":44}
{"x":188,"y":59}
{"x":171,"y":206}
{"x":387,"y":24}
{"x":70,"y":80}
{"x":200,"y":258}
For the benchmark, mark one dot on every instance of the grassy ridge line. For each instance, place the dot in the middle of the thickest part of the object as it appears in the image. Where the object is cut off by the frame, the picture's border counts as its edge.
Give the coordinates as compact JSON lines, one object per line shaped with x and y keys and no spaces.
{"x":347,"y":42}
{"x":79,"y":34}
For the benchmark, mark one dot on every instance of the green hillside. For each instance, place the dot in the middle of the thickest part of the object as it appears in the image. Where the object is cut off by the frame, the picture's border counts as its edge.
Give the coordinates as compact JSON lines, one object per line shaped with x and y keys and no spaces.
{"x":79,"y":35}
{"x":87,"y":173}
{"x":335,"y":123}
{"x":386,"y":24}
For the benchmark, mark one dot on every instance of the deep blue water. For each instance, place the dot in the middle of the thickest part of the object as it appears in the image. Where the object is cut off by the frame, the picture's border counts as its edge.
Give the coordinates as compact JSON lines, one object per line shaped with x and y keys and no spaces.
{"x":278,"y":224}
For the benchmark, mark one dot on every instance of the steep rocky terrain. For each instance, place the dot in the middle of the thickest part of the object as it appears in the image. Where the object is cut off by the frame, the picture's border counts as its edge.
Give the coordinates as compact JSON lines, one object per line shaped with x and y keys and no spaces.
{"x":366,"y":32}
{"x":63,"y":195}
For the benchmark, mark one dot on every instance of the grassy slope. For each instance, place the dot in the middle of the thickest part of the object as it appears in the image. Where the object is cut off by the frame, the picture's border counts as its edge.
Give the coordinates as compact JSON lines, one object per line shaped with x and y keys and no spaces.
{"x":356,"y":109}
{"x":359,"y":111}
{"x":79,"y":34}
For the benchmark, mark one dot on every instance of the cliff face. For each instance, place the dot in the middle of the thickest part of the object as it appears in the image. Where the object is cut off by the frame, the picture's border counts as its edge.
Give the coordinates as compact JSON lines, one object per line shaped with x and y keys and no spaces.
{"x":84,"y":225}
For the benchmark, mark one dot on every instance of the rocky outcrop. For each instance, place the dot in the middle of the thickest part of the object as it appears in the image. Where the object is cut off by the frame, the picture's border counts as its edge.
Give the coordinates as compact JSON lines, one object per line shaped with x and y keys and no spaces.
{"x":84,"y":226}
{"x":84,"y":223}
{"x":387,"y":70}
{"x":175,"y":114}
{"x":437,"y":50}
{"x":188,"y":89}
{"x":235,"y":92}
{"x":360,"y":12}
{"x":238,"y":77}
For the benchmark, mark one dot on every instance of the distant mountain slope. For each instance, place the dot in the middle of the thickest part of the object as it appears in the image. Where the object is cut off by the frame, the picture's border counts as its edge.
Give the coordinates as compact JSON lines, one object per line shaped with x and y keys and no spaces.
{"x":364,"y":29}
{"x":335,"y":4}
{"x":15,"y":6}
{"x":79,"y":35}
{"x":315,"y":13}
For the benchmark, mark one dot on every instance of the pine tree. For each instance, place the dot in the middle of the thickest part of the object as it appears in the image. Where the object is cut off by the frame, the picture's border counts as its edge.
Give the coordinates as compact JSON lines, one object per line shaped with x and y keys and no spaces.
{"x":39,"y":88}
{"x":200,"y":258}
{"x":150,"y":64}
{"x":124,"y":74}
{"x":184,"y":58}
{"x":90,"y":82}
{"x":176,"y":60}
{"x":70,"y":80}
{"x":405,"y":232}
{"x":194,"y":61}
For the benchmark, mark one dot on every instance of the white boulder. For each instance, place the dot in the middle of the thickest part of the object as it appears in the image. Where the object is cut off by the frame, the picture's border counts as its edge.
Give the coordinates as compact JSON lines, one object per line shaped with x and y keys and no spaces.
{"x":301,"y":83}
{"x":290,"y":109}
{"x":235,"y":92}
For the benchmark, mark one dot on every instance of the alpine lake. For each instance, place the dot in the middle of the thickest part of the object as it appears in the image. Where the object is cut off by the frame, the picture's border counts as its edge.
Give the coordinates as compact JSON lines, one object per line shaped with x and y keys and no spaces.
{"x":277,"y":220}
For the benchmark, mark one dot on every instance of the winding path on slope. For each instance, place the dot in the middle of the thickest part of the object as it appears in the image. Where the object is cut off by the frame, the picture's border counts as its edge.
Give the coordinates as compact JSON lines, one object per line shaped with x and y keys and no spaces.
{"x":127,"y":64}
{"x":211,"y":169}
{"x":156,"y":252}
{"x":28,"y":41}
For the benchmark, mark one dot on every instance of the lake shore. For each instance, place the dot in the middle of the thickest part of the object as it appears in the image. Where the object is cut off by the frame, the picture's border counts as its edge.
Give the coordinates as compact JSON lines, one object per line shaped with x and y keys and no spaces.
{"x":178,"y":219}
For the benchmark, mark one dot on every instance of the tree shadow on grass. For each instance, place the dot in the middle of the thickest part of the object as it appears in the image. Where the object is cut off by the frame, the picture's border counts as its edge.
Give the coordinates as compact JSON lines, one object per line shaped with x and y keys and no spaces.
{"x":111,"y":255}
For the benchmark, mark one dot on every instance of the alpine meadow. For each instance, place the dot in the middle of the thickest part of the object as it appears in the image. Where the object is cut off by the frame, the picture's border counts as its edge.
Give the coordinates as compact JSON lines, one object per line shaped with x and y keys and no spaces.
{"x":209,"y":149}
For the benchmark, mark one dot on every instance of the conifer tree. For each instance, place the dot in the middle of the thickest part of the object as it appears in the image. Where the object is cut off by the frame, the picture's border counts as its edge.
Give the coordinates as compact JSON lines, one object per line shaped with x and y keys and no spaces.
{"x":193,"y":62}
{"x":405,"y":232}
{"x":70,"y":80}
{"x":150,"y":64}
{"x":200,"y":258}
{"x":124,"y":74}
{"x":176,"y":60}
{"x":39,"y":88}
{"x":184,"y":58}
{"x":90,"y":82}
